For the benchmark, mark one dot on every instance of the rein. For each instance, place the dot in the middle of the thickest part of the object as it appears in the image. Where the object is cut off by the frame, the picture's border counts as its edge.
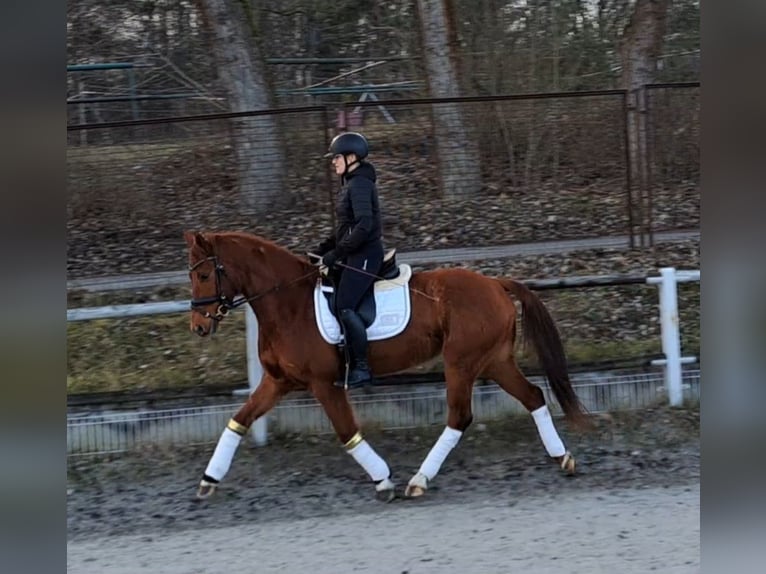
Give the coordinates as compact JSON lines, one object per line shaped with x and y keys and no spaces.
{"x":224,"y":303}
{"x":373,"y":275}
{"x":378,"y":277}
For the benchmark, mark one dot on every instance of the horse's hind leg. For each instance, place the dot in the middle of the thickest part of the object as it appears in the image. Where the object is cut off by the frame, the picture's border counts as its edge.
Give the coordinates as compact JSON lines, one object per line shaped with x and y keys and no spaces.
{"x":335,"y":403}
{"x":507,"y":374}
{"x":264,"y":398}
{"x":459,"y":390}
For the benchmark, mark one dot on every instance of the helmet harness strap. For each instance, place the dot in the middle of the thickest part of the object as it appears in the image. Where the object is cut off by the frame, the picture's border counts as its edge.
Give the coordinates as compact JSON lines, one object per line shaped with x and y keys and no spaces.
{"x":347,"y":165}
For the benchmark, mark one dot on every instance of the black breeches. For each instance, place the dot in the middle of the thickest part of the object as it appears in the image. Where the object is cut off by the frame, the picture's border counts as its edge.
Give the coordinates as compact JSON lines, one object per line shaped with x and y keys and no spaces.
{"x":353,"y":285}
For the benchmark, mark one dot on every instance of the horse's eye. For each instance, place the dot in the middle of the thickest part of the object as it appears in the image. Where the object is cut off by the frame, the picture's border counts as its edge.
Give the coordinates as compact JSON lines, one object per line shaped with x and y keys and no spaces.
{"x":203,"y":276}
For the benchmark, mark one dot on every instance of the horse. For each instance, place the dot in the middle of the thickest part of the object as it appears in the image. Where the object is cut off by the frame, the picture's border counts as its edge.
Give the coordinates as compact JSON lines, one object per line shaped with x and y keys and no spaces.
{"x":467,"y":318}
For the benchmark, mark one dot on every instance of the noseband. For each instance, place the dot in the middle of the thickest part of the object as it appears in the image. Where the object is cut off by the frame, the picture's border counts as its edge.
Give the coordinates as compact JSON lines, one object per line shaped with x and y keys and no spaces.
{"x":224,"y":303}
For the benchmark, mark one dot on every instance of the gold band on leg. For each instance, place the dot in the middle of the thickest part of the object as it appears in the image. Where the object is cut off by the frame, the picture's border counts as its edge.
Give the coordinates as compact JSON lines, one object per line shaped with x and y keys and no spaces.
{"x":353,"y":441}
{"x":234,"y":426}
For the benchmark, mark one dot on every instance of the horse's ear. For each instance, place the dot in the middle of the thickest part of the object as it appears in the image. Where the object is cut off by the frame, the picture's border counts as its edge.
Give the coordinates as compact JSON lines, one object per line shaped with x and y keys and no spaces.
{"x":193,"y":238}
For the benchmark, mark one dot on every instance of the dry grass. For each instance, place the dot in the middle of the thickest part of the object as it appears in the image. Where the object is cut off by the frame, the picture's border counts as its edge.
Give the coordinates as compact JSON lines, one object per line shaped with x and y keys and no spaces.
{"x":160,"y":351}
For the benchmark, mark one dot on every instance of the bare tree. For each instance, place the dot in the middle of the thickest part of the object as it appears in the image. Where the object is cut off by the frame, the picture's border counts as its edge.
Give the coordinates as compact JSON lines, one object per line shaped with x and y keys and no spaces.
{"x":457,"y":152}
{"x":242,"y":71}
{"x":641,"y":43}
{"x":640,"y":46}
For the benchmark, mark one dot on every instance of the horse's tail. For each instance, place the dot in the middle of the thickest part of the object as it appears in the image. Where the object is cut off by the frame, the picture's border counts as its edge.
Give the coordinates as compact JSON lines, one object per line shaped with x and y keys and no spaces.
{"x":539,"y":329}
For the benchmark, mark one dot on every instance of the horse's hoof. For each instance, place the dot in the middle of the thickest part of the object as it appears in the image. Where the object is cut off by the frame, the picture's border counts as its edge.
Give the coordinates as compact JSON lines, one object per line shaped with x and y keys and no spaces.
{"x":384,"y":490}
{"x":385,"y":495}
{"x":206,"y":489}
{"x":568,"y":464}
{"x":414,"y":491}
{"x":417,"y":486}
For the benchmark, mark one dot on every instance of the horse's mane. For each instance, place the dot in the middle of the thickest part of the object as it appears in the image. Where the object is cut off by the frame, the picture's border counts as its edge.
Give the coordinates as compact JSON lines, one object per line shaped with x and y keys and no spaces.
{"x":246,"y":240}
{"x":250,"y":239}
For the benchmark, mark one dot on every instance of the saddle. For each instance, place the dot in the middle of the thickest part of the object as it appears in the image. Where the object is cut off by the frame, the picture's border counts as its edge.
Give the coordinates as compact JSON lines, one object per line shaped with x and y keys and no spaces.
{"x":384,"y":309}
{"x":389,"y":270}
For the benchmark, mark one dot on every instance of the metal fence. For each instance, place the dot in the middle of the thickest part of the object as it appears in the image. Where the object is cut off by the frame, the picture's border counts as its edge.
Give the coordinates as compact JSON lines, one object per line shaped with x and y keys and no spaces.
{"x":519,"y":152}
{"x":673,"y":154}
{"x":597,"y":391}
{"x":452,"y":172}
{"x":107,"y":432}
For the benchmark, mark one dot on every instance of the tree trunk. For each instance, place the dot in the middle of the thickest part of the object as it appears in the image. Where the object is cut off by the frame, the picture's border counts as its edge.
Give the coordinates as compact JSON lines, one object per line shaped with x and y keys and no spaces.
{"x":554,"y":104}
{"x":242,"y":70}
{"x":530,"y":158}
{"x":639,"y":48}
{"x":457,"y":152}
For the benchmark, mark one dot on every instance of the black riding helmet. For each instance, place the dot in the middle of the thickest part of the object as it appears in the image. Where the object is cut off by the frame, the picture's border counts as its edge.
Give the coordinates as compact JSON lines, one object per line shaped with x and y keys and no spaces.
{"x":349,"y":142}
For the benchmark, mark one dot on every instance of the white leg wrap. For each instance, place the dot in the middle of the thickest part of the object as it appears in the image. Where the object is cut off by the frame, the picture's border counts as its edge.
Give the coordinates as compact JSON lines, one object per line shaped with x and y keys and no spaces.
{"x":548,"y":434}
{"x":385,"y":484}
{"x":224,"y":453}
{"x":433,"y":462}
{"x":370,"y":461}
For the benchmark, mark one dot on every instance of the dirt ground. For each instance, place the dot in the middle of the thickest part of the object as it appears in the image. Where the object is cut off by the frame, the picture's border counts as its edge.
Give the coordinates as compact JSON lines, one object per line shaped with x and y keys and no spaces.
{"x":498,"y":505}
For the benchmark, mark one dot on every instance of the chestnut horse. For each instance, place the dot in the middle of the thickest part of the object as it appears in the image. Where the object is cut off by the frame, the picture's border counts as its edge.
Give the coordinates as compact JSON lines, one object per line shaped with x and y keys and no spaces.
{"x":467,"y":318}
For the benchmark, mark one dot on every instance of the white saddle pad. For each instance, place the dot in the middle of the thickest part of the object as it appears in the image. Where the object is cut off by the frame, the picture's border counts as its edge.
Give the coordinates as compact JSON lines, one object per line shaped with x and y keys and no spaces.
{"x":392,"y":300}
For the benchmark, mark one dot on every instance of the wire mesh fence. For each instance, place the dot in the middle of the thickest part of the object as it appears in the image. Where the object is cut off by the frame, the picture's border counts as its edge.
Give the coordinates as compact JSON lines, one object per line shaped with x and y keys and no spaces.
{"x":673,"y":154}
{"x":203,"y":173}
{"x":505,"y":168}
{"x":90,"y":433}
{"x":451,"y":172}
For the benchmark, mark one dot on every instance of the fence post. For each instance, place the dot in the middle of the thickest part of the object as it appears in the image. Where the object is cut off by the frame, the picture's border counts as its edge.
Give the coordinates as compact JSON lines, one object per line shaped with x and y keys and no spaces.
{"x":259,"y":429}
{"x":626,"y":115}
{"x":671,"y":339}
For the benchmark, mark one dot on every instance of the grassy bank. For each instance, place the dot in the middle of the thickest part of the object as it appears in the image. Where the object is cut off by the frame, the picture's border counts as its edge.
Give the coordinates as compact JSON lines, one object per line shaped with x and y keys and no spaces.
{"x":160,"y":352}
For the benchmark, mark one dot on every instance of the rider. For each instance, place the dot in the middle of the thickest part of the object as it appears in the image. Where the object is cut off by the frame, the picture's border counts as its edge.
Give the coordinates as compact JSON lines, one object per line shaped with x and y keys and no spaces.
{"x":356,"y":242}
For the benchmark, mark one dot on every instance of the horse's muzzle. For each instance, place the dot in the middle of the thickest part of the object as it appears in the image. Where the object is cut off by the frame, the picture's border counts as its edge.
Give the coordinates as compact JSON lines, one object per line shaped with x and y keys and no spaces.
{"x":212,"y":319}
{"x":205,"y":326}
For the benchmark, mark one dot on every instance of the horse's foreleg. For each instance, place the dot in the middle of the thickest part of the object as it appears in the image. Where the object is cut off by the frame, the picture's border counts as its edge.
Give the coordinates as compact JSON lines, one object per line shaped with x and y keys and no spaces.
{"x":260,"y":402}
{"x":335,"y":403}
{"x":513,"y":381}
{"x":459,"y":389}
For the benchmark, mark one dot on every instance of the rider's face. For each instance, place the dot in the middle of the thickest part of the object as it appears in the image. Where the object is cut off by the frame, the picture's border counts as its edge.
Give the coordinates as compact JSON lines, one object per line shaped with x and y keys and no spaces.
{"x":339,"y":163}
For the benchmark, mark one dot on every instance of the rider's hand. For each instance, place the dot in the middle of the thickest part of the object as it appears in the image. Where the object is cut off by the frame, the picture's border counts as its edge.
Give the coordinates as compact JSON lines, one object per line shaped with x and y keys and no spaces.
{"x":329,"y":259}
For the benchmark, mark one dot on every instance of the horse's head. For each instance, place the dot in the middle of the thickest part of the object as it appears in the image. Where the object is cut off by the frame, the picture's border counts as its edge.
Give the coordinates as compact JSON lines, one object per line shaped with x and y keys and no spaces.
{"x":212,"y":292}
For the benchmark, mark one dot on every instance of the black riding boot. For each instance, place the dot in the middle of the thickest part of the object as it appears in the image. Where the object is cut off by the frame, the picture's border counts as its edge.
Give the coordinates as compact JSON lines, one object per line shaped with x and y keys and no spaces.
{"x":355,"y":334}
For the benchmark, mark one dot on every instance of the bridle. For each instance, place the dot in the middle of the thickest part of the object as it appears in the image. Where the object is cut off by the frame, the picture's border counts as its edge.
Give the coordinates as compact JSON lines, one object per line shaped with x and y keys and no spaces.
{"x":224,"y":303}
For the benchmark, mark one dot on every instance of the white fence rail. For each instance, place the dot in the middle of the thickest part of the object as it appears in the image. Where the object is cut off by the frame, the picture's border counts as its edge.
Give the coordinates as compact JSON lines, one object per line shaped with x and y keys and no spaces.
{"x":671,"y":334}
{"x":669,"y":322}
